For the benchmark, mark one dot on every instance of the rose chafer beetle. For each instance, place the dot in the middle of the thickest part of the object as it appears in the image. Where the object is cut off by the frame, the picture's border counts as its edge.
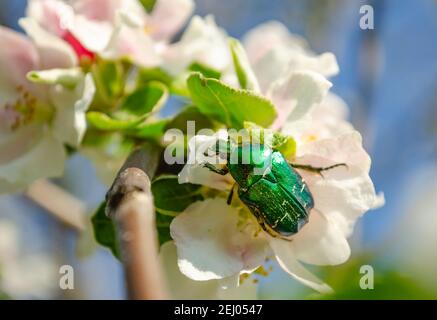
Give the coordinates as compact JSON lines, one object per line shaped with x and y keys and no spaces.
{"x":269,"y":186}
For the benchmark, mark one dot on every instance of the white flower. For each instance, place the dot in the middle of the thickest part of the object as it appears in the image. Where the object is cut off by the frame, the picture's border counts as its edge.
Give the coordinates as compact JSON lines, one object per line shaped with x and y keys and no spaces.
{"x":215,"y":240}
{"x":202,"y":42}
{"x":181,"y":287}
{"x":36,"y":119}
{"x":273,"y":52}
{"x":113,"y":28}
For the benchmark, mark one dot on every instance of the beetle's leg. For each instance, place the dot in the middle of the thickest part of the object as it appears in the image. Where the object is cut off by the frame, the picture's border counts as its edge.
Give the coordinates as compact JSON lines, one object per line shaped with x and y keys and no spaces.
{"x":231,"y":194}
{"x":211,"y":167}
{"x":318,"y":170}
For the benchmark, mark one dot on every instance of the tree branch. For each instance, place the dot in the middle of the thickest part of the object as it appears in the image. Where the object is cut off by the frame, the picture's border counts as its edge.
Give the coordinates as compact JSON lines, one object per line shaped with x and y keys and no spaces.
{"x":130,"y":206}
{"x":59,"y":203}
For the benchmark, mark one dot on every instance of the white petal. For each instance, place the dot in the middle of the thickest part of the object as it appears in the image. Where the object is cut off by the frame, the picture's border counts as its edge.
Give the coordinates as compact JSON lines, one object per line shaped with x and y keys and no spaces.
{"x":343,"y":194}
{"x":69,"y":124}
{"x":93,"y":35}
{"x":52,"y":15}
{"x":168,"y":16}
{"x":267,"y":36}
{"x":274,"y":52}
{"x":132,"y":43}
{"x":182,"y":287}
{"x":295,"y":94}
{"x":286,"y":258}
{"x":54,"y":52}
{"x":45,"y":159}
{"x":321,"y":242}
{"x":325,"y":120}
{"x":17,"y":57}
{"x":202,"y":42}
{"x":210,"y":243}
{"x":195,"y":172}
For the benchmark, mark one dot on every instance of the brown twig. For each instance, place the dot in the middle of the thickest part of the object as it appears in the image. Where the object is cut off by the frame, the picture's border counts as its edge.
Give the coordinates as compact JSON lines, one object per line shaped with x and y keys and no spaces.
{"x":59,"y":203}
{"x":130,"y":205}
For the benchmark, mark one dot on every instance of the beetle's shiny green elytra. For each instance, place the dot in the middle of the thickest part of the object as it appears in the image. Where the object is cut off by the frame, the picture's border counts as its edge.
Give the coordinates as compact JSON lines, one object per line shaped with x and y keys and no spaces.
{"x":270,"y":187}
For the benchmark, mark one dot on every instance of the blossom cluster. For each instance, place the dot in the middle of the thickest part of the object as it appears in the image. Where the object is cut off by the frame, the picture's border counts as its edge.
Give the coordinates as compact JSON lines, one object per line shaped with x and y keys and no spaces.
{"x":92,"y":76}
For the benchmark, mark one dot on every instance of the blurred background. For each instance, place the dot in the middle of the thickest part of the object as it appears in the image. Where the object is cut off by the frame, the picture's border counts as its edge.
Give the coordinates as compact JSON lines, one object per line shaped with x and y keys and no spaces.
{"x":388,"y":77}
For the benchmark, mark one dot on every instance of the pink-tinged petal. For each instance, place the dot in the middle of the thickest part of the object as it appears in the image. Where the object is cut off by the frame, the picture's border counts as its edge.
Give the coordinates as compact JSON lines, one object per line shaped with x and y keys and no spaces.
{"x":260,"y":40}
{"x":18,"y":56}
{"x":81,"y":51}
{"x":100,"y":10}
{"x":295,"y":94}
{"x":211,"y":243}
{"x":52,"y":15}
{"x":273,"y":52}
{"x":53,"y":51}
{"x":107,"y":10}
{"x":134,"y":44}
{"x":286,"y":258}
{"x":321,"y":241}
{"x":168,"y":17}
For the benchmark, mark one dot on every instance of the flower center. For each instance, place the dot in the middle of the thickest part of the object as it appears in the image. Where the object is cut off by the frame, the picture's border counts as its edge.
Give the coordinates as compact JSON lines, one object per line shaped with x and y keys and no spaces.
{"x":23,"y":111}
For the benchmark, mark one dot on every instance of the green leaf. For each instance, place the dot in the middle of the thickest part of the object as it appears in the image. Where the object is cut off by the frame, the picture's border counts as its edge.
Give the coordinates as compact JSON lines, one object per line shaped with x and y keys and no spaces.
{"x":136,"y":107}
{"x":245,"y":75}
{"x":146,"y":75}
{"x":228,"y":105}
{"x":109,"y":77}
{"x":150,"y":130}
{"x":145,"y":99}
{"x":171,"y":197}
{"x":190,"y":113}
{"x":104,"y":230}
{"x":102,"y":121}
{"x":205,"y":70}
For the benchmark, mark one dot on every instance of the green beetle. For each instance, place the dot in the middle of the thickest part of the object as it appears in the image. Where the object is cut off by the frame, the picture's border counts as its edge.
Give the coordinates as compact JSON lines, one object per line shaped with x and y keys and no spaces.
{"x":270,"y":187}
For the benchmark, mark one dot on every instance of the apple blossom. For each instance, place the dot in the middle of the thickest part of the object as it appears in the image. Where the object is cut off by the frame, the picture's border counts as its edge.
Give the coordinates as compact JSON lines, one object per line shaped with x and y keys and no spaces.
{"x":38,"y":117}
{"x":113,"y":28}
{"x":215,"y":240}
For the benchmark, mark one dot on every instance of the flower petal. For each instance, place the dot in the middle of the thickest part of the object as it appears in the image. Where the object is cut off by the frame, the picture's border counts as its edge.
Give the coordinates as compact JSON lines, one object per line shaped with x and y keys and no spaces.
{"x":202,"y":42}
{"x":325,"y":120}
{"x":194,"y":170}
{"x":181,"y":287}
{"x":286,"y":258}
{"x":274,"y":52}
{"x":211,"y":244}
{"x":45,"y":159}
{"x":168,"y":16}
{"x":343,"y":194}
{"x":17,"y":57}
{"x":54,"y":52}
{"x":296,"y":93}
{"x":321,"y":242}
{"x":52,"y":15}
{"x":69,"y":124}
